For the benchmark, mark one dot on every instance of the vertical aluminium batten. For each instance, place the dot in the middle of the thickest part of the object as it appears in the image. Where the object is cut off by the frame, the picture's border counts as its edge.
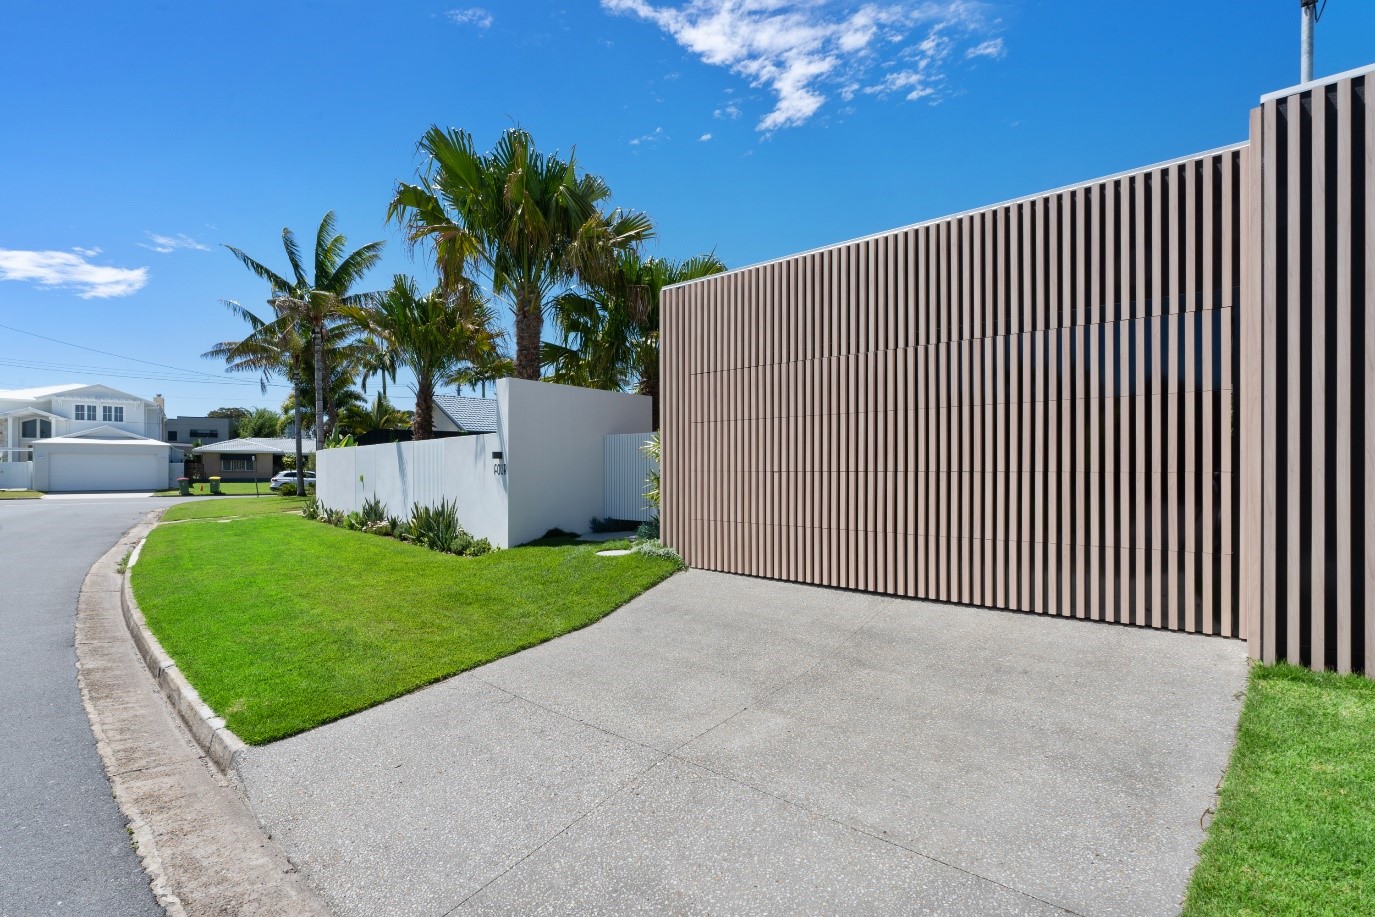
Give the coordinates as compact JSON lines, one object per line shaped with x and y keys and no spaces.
{"x":1143,"y":399}
{"x":998,"y":408}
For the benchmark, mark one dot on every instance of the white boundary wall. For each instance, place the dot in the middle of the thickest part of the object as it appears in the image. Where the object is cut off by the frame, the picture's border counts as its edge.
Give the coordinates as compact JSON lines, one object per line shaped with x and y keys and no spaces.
{"x":551,"y":442}
{"x":626,"y":476}
{"x":457,"y":468}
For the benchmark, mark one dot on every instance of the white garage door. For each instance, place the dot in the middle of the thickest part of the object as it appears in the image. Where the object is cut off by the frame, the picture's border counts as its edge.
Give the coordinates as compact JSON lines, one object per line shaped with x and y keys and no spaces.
{"x":106,"y":471}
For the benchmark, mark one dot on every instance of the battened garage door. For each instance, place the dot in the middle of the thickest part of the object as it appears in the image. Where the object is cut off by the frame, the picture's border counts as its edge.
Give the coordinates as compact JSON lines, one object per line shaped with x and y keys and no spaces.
{"x":106,"y":471}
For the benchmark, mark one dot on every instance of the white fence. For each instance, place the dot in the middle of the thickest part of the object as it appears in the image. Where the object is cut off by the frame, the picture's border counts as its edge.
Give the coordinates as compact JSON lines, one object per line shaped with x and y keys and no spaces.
{"x":625,"y":476}
{"x":16,"y":469}
{"x":543,"y":468}
{"x":458,"y":468}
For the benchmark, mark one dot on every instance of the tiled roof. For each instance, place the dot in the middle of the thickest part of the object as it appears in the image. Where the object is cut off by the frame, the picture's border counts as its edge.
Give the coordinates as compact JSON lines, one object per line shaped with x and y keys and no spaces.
{"x":472,"y":415}
{"x":259,"y":445}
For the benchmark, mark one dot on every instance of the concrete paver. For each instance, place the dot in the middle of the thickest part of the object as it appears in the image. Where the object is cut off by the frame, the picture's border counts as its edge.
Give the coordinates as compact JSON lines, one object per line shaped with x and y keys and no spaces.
{"x":730,"y":745}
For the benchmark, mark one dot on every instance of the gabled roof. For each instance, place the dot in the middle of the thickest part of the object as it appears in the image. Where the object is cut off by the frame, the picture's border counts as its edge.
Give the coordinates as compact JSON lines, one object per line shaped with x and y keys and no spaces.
{"x":30,"y":412}
{"x":105,"y":432}
{"x":472,"y":415}
{"x":273,"y":445}
{"x":48,"y":391}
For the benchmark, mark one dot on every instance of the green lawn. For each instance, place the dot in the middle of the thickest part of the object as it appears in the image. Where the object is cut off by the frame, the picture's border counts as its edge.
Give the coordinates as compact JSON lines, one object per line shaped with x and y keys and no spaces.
{"x":19,"y":495}
{"x":227,"y":488}
{"x":283,"y":624}
{"x":227,"y":509}
{"x":1295,"y":828}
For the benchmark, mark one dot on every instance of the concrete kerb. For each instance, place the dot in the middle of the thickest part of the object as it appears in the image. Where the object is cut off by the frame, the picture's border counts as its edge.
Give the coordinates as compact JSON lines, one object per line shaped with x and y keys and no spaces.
{"x":173,"y":773}
{"x":220,"y":745}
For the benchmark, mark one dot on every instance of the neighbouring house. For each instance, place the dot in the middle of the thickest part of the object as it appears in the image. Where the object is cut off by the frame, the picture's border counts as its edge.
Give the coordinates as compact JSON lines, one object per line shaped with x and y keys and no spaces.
{"x":461,"y":414}
{"x":251,"y":459}
{"x":79,"y":437}
{"x":184,"y":431}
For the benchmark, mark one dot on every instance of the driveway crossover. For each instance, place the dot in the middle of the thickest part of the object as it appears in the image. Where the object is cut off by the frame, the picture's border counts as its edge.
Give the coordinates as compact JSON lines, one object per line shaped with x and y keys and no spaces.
{"x":740,"y":746}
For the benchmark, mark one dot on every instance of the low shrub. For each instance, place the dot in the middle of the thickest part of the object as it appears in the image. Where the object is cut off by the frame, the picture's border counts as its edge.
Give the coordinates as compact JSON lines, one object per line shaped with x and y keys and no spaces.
{"x":334,"y":517}
{"x":598,"y":524}
{"x":557,"y":532}
{"x":436,"y":527}
{"x":649,"y":531}
{"x":373,"y":510}
{"x":383,"y":528}
{"x":656,"y":548}
{"x":311,"y":510}
{"x":287,"y":490}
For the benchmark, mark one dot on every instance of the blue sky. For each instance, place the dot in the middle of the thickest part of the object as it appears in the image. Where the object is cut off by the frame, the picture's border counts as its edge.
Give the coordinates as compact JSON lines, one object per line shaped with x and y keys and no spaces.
{"x":140,"y":137}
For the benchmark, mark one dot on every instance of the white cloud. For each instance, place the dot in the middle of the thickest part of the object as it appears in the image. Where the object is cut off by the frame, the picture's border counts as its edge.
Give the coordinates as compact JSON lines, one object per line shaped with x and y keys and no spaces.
{"x":992,"y":48}
{"x":66,"y":270}
{"x":165,"y":244}
{"x":803,"y":50}
{"x":731,"y":111}
{"x":704,"y":138}
{"x":474,"y":16}
{"x":653,"y":137}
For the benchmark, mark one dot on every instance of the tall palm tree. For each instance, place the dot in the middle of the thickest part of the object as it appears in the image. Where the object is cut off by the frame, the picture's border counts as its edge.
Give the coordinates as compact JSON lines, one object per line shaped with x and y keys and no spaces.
{"x":609,"y":330}
{"x":529,"y":218}
{"x":272,"y":349}
{"x":435,"y":336}
{"x":315,"y":301}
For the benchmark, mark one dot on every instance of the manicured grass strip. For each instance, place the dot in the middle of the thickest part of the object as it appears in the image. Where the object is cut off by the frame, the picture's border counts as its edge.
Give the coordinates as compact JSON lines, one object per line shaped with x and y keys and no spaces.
{"x":232,"y":508}
{"x":19,"y":495}
{"x":1295,"y":828}
{"x":283,"y":624}
{"x":227,"y":489}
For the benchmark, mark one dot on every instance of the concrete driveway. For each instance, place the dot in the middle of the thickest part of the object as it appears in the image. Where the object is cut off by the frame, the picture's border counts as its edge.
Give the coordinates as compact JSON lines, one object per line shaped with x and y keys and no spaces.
{"x":736,"y":746}
{"x":63,"y":848}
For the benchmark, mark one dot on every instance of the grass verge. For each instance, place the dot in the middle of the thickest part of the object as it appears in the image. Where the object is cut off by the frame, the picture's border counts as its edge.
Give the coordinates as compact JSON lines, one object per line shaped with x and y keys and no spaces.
{"x":232,"y":509}
{"x":284,"y":624}
{"x":19,"y":495}
{"x":227,"y":489}
{"x":1295,"y":826}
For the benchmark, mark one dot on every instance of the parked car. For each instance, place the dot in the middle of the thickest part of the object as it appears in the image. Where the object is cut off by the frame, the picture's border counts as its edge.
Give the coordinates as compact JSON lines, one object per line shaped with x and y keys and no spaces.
{"x":289,"y":477}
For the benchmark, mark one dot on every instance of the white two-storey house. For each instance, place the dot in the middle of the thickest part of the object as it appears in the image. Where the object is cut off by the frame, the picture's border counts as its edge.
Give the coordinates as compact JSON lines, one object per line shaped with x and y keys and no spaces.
{"x":78,"y":437}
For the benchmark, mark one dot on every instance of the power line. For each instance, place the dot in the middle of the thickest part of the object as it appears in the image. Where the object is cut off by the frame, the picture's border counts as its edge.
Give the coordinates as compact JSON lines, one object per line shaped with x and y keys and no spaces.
{"x":125,"y":374}
{"x":118,"y":356}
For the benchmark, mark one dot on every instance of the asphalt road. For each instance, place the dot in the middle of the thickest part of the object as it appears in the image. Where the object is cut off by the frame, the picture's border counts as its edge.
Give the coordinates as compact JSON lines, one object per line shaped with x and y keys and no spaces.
{"x":63,"y":846}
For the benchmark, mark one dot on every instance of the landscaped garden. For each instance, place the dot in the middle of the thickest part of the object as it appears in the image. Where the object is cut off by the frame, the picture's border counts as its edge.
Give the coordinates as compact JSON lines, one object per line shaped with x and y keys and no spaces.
{"x":283,"y":624}
{"x":227,"y":489}
{"x":1295,"y":827}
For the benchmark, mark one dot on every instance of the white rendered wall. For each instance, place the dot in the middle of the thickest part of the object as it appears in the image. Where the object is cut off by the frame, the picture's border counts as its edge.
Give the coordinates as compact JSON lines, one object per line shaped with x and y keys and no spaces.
{"x":554,"y":437}
{"x":458,"y":468}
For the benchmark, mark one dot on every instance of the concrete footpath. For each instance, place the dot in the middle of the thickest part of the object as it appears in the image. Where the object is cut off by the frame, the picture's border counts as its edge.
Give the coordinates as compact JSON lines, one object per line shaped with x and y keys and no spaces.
{"x":725,"y":745}
{"x":202,"y":847}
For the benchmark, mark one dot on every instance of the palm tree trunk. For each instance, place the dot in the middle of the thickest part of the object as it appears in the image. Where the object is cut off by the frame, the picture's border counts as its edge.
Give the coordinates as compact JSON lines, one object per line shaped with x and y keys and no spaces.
{"x":319,"y":389}
{"x":650,"y":386}
{"x":422,"y":425}
{"x":529,"y":327}
{"x":300,"y":457}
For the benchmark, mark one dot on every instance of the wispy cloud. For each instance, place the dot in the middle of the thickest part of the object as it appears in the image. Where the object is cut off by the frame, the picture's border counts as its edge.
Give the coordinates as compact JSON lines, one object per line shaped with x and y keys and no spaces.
{"x":803,"y":50}
{"x":653,"y":136}
{"x":474,"y":16}
{"x":731,"y":111}
{"x":705,"y":137}
{"x":165,"y":244}
{"x":73,"y":271}
{"x":993,"y":48}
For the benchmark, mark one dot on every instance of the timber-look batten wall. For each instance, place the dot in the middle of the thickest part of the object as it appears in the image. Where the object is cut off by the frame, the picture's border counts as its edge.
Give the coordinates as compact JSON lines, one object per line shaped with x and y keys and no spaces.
{"x":1043,"y":405}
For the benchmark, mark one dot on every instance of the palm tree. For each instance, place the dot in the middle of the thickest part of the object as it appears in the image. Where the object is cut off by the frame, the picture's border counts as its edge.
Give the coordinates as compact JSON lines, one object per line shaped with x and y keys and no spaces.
{"x":380,"y":415}
{"x":531,"y":220}
{"x":315,"y":302}
{"x":609,"y":331}
{"x":435,"y":336}
{"x":270,"y":350}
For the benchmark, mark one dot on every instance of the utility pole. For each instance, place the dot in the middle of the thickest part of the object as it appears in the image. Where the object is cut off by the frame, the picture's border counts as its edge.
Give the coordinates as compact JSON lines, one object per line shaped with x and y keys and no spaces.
{"x":1312,"y":11}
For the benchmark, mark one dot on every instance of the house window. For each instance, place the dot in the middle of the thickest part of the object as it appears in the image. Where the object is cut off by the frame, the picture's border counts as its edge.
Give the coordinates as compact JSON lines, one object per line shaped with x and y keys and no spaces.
{"x":171,"y":436}
{"x":112,"y":414}
{"x":36,"y":429}
{"x":85,"y":412}
{"x":205,"y":434}
{"x":237,"y":464}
